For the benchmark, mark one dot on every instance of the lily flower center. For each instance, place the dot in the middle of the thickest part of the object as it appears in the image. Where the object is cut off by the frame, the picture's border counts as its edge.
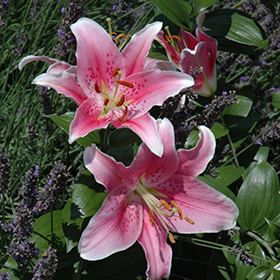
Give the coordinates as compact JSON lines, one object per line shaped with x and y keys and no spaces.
{"x":160,"y":208}
{"x":117,"y":100}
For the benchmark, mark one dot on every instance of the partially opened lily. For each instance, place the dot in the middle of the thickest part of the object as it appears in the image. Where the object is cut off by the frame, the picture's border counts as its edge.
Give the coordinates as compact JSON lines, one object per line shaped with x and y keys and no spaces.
{"x":200,"y":52}
{"x":153,"y":197}
{"x":110,"y":86}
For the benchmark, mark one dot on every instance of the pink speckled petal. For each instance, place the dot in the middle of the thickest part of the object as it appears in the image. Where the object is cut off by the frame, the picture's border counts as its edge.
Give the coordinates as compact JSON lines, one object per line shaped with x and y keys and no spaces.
{"x":157,"y":251}
{"x":64,"y":83}
{"x":158,"y":169}
{"x":97,"y":56}
{"x":194,"y":161}
{"x":105,"y":169}
{"x":86,"y":119}
{"x":210,"y":42}
{"x":145,"y":127}
{"x":210,"y":210}
{"x":138,"y":48}
{"x":152,"y":88}
{"x":31,"y":58}
{"x":115,"y":227}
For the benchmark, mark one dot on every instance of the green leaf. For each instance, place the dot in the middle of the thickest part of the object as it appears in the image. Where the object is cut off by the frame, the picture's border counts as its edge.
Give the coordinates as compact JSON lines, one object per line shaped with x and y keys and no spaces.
{"x":64,"y":121}
{"x":260,"y":273}
{"x":201,"y":5}
{"x":274,"y":229}
{"x":256,"y":251}
{"x":258,"y":198}
{"x":228,"y":174}
{"x":122,"y":154}
{"x":192,"y":139}
{"x":178,"y":11}
{"x":262,"y":154}
{"x":242,"y":108}
{"x":87,"y":197}
{"x":276,"y":100}
{"x":122,"y":137}
{"x":245,"y":30}
{"x":48,"y":231}
{"x":219,"y":130}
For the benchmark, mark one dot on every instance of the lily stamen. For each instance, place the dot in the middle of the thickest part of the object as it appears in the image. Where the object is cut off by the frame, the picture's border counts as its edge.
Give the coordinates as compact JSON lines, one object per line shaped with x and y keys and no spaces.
{"x":165,"y":204}
{"x":96,"y":87}
{"x":171,"y":238}
{"x":118,"y":37}
{"x":127,"y":84}
{"x":124,"y":114}
{"x":115,"y":72}
{"x":173,"y":37}
{"x":177,"y":208}
{"x":189,"y":220}
{"x":152,"y":218}
{"x":121,"y":101}
{"x":106,"y":101}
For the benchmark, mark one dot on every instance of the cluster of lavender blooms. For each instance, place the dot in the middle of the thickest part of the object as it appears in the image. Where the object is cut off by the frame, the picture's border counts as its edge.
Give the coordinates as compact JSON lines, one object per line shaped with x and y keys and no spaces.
{"x":36,"y":9}
{"x":4,"y":172}
{"x":34,"y":202}
{"x":20,"y":42}
{"x":208,"y":116}
{"x":45,"y":268}
{"x":67,"y":41}
{"x":4,"y":276}
{"x":126,"y":11}
{"x":269,"y":133}
{"x":4,"y":5}
{"x":243,"y":253}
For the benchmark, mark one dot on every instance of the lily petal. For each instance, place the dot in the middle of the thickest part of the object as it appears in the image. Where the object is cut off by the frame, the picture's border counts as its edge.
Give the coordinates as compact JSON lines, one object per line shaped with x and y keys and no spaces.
{"x":105,"y":169}
{"x":63,"y":82}
{"x":194,"y":161}
{"x":93,"y":40}
{"x":86,"y":119}
{"x":210,"y":210}
{"x":115,"y":227}
{"x":145,"y":127}
{"x":138,"y":48}
{"x":157,"y":251}
{"x":152,"y":88}
{"x":31,"y":58}
{"x":153,"y":64}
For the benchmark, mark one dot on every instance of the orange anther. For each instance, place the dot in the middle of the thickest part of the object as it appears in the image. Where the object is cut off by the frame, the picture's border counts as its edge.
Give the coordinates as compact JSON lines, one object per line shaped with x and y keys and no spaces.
{"x":152,"y":218}
{"x":121,"y":101}
{"x":127,"y":84}
{"x":106,"y":101}
{"x":171,"y":238}
{"x":173,"y":37}
{"x":177,"y":208}
{"x":113,"y":33}
{"x":118,"y":37}
{"x":124,"y":114}
{"x":189,"y":220}
{"x":165,"y":204}
{"x":97,"y":89}
{"x":115,"y":72}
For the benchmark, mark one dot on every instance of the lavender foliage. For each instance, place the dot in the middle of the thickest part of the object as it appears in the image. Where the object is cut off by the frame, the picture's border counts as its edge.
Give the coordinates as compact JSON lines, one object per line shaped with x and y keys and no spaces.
{"x":4,"y":172}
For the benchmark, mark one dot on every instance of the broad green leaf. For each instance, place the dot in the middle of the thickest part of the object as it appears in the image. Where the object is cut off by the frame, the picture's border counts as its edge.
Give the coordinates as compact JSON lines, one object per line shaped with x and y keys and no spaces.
{"x":48,"y":231}
{"x":219,"y":130}
{"x":192,"y":139}
{"x":201,"y":5}
{"x":256,"y":251}
{"x":276,"y":100}
{"x":258,"y":198}
{"x":245,"y":30}
{"x":228,"y":174}
{"x":122,"y":137}
{"x":178,"y":11}
{"x":87,"y":197}
{"x":274,"y":229}
{"x":238,"y":35}
{"x":64,"y":122}
{"x":262,"y":154}
{"x":122,"y":154}
{"x":71,"y":229}
{"x":260,"y":273}
{"x":217,"y":186}
{"x":242,"y":108}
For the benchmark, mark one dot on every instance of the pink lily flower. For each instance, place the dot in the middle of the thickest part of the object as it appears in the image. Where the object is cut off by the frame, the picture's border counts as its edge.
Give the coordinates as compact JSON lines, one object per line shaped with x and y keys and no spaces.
{"x":151,"y":198}
{"x":200,"y":52}
{"x":110,"y":86}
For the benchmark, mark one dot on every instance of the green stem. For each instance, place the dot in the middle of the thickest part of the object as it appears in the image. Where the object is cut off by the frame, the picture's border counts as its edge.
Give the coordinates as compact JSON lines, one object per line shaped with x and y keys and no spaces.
{"x":259,"y":240}
{"x":104,"y":144}
{"x":80,"y":269}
